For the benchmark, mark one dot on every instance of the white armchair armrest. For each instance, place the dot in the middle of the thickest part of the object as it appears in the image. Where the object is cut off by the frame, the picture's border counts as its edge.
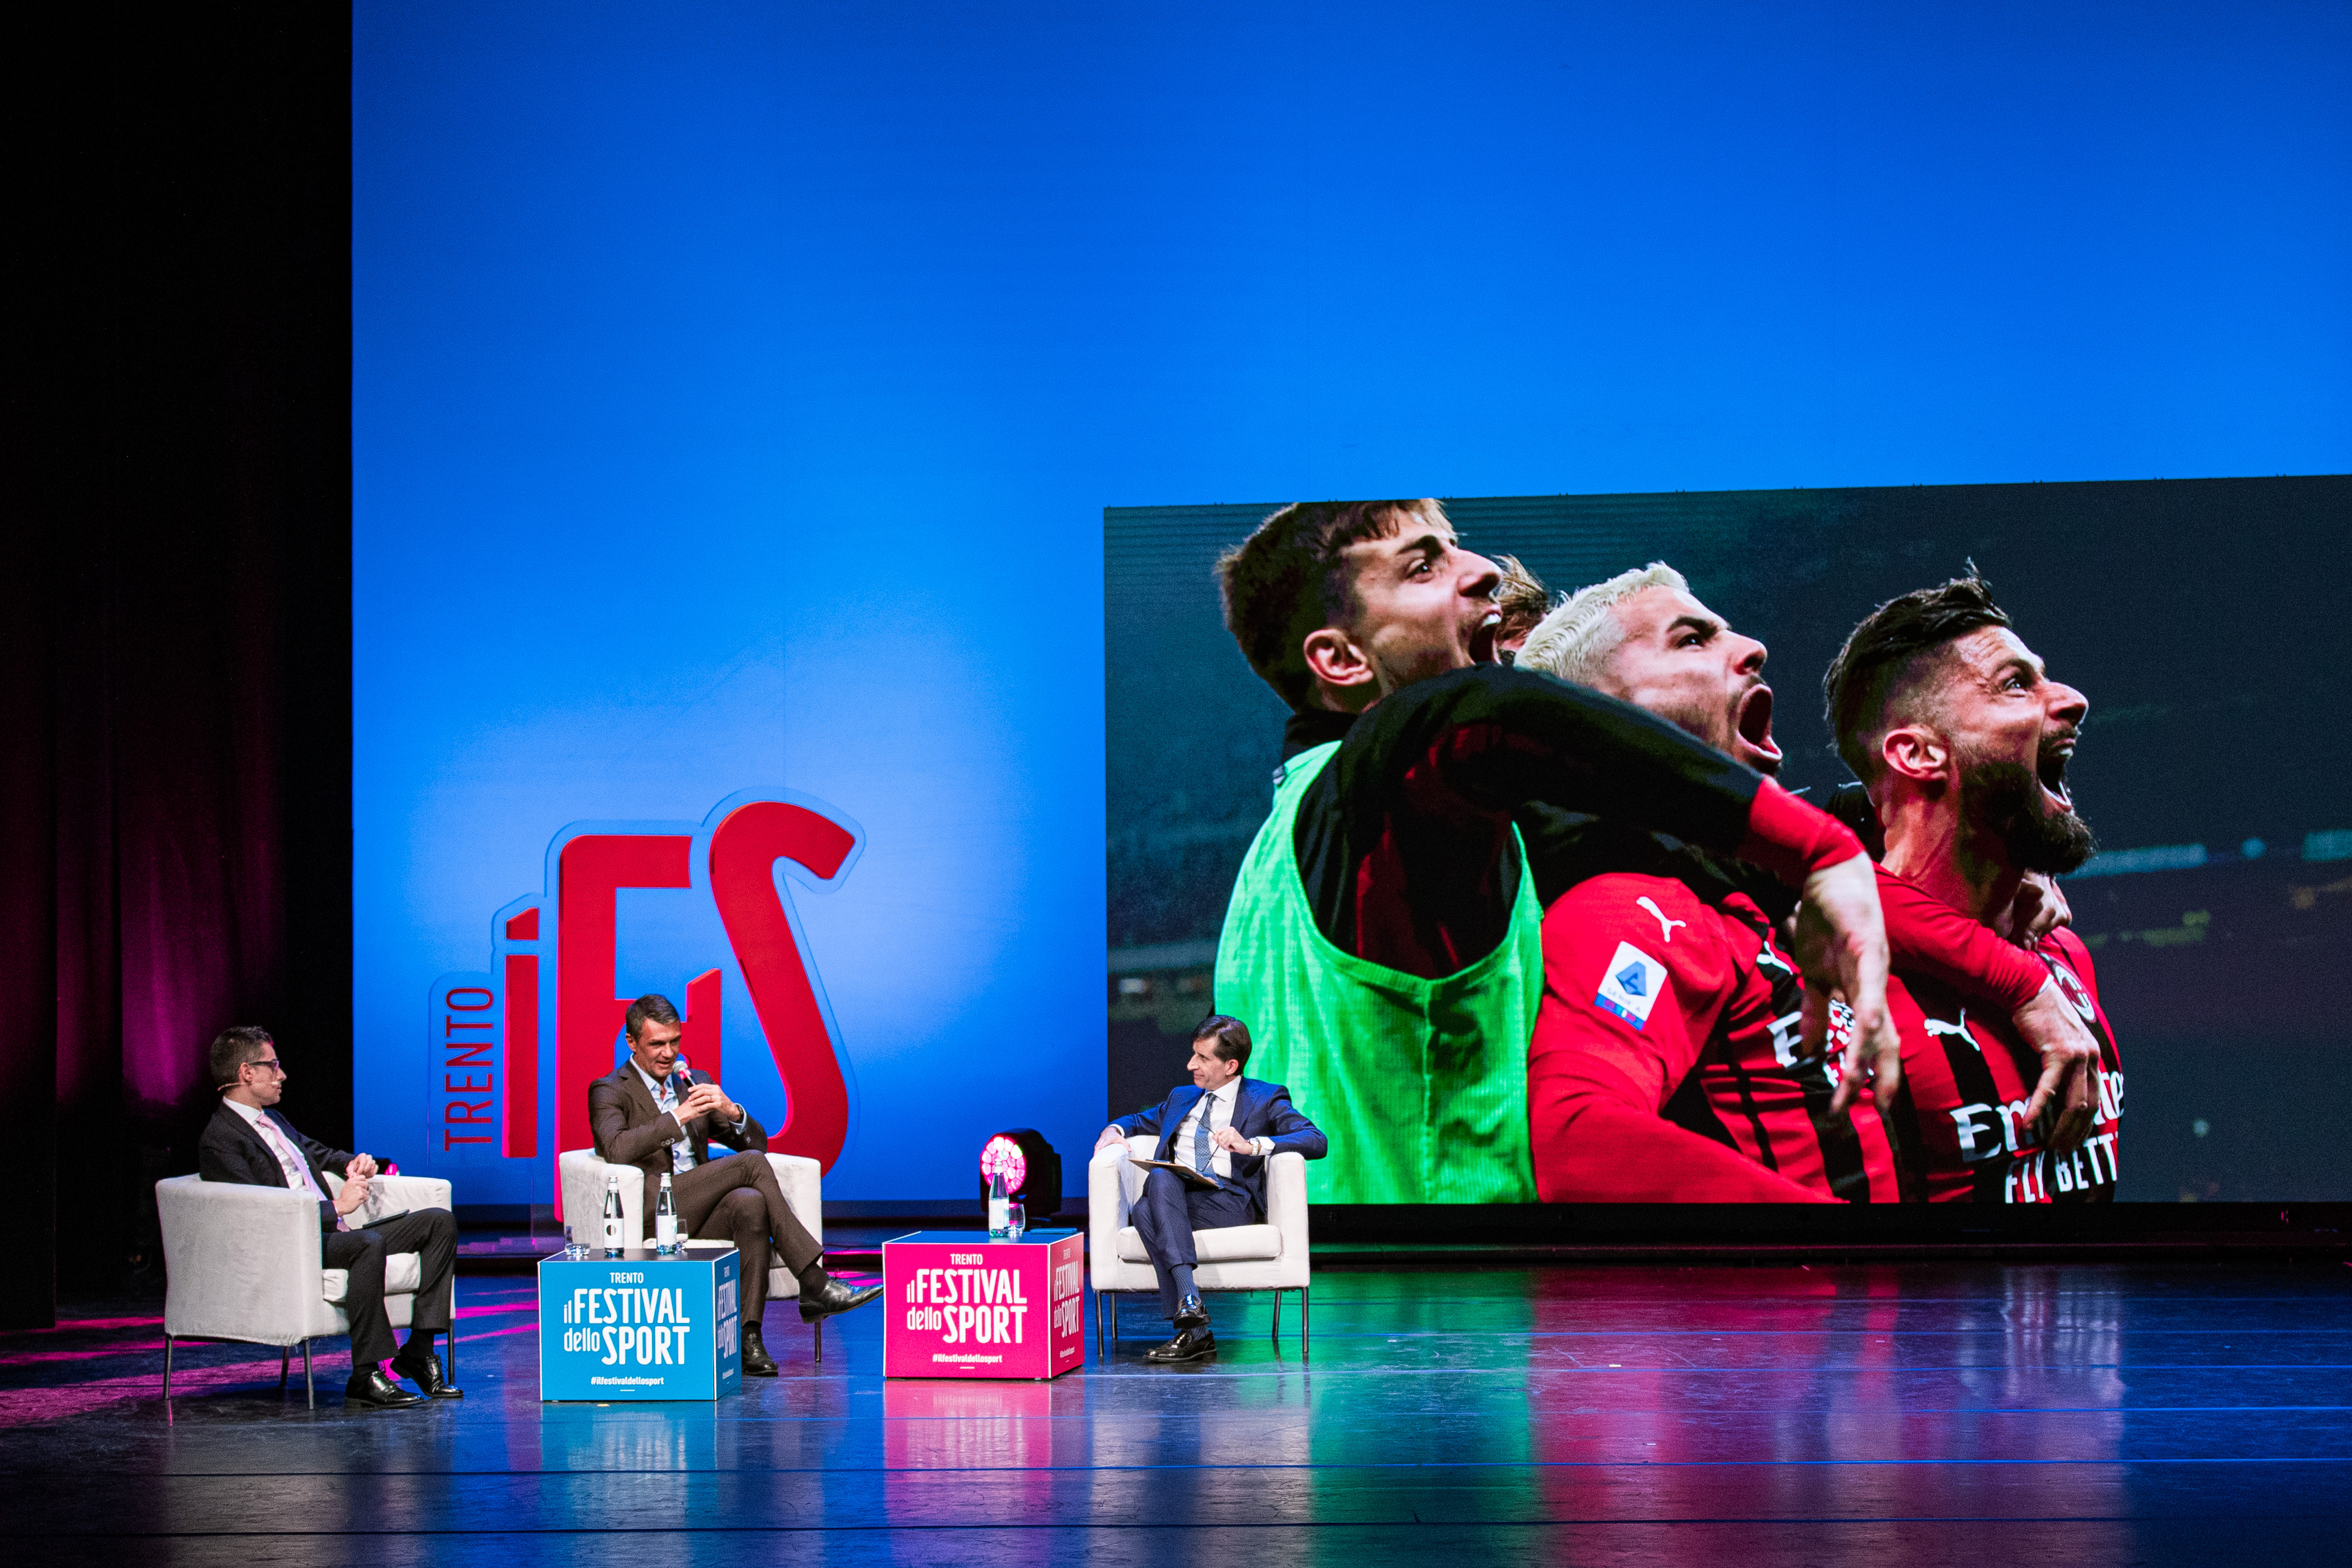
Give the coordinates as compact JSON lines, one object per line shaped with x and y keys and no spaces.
{"x":582,"y":1175}
{"x":399,"y":1194}
{"x":1105,"y":1214}
{"x":241,"y":1262}
{"x":803,"y":1181}
{"x":1286,"y":1204}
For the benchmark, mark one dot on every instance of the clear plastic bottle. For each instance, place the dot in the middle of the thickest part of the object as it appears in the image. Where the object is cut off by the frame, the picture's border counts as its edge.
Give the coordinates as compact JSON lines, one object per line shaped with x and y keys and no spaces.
{"x":614,"y":1217}
{"x":665,"y":1220}
{"x":1000,"y":1224}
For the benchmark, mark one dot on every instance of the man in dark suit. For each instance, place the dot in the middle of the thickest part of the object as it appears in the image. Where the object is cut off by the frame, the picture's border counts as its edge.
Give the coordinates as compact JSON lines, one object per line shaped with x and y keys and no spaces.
{"x":248,"y":1141}
{"x":1225,"y":1127}
{"x":643,"y":1114}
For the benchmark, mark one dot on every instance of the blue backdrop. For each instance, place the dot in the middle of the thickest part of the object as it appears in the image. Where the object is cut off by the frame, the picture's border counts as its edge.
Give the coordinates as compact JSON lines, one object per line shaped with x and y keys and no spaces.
{"x":737,"y":389}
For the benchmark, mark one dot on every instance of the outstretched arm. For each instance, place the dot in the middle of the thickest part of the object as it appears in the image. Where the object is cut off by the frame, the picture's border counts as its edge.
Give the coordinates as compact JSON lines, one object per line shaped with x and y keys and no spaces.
{"x":1463,"y":751}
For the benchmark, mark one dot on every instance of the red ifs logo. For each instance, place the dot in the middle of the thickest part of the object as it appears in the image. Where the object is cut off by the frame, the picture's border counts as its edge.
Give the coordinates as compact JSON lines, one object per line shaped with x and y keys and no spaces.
{"x":740,"y":857}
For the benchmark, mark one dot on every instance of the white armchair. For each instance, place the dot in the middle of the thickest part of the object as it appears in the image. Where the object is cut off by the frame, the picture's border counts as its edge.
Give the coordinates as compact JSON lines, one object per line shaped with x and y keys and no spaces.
{"x":242,"y":1263}
{"x":1268,"y":1256}
{"x":583,"y":1174}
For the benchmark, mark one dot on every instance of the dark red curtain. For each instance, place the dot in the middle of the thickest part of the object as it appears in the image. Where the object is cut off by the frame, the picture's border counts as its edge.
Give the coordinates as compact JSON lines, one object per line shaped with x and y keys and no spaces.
{"x":177,"y":669}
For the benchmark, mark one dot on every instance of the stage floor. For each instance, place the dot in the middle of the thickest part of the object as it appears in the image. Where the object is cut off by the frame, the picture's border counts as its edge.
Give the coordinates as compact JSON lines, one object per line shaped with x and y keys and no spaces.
{"x":1963,"y":1414}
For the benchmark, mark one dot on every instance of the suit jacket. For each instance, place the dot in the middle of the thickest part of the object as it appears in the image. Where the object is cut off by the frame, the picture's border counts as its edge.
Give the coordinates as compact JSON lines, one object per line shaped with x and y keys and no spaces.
{"x":630,"y":1131}
{"x":231,"y":1150}
{"x":1260,"y":1110}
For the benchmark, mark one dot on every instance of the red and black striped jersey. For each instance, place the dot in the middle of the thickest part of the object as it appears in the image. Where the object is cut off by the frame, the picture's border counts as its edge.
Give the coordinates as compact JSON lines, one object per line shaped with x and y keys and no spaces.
{"x":1966,"y":1076}
{"x":1663,"y":1066}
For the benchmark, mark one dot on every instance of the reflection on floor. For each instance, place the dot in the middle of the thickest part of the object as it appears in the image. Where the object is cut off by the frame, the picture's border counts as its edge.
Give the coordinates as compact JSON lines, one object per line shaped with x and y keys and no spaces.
{"x":1962,"y":1414}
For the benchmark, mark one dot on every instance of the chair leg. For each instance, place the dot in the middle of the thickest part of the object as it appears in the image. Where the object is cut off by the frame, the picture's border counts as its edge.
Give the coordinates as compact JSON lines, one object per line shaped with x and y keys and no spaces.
{"x":820,"y":1341}
{"x":167,"y":1374}
{"x":450,"y":1367}
{"x":1305,"y":1334}
{"x":310,"y":1385}
{"x":285,"y":1360}
{"x":1277,"y":1317}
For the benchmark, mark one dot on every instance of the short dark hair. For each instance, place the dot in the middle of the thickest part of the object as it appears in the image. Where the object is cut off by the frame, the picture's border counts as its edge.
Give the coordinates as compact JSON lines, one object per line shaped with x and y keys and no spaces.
{"x":1888,"y":650}
{"x":652,"y":1007}
{"x":1522,"y":598}
{"x":235,"y":1047}
{"x":1290,"y":577}
{"x":1232,"y":1036}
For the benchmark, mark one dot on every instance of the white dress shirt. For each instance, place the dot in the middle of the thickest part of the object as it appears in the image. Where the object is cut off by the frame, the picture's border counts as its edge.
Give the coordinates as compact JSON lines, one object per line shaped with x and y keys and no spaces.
{"x":289,"y":1158}
{"x":1218,"y":1103}
{"x":681,"y":1149}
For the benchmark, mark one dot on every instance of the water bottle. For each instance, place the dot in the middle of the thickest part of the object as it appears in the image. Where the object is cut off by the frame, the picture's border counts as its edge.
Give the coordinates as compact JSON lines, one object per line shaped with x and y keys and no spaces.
{"x":614,"y":1219}
{"x":665,"y":1220}
{"x":1000,"y":1224}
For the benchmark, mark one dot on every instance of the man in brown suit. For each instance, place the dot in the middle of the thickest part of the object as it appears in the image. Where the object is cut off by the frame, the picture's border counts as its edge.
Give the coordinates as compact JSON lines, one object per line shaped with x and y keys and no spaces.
{"x":645,"y":1114}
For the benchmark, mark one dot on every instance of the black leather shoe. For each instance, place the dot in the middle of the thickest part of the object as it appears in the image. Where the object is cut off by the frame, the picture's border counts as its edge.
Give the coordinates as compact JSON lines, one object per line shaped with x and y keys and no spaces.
{"x":835,"y":1298}
{"x":426,"y":1372}
{"x":1190,"y":1345}
{"x":374,"y":1390}
{"x":757,"y":1361}
{"x":1190,"y":1314}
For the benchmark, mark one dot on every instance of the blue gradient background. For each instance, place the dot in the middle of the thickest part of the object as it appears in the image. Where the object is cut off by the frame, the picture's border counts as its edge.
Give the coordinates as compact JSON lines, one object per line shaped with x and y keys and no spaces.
{"x":737,"y":389}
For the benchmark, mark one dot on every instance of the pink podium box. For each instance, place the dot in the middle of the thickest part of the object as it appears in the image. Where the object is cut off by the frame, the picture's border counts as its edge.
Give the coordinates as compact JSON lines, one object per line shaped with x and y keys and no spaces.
{"x":963,"y":1306}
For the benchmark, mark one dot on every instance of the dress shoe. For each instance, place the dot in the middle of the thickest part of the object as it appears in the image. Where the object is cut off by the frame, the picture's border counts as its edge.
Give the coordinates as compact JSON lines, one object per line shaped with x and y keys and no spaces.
{"x":835,"y":1298}
{"x":426,"y":1372}
{"x":374,"y":1390}
{"x":757,"y":1361}
{"x":1190,"y":1314}
{"x":1190,"y":1345}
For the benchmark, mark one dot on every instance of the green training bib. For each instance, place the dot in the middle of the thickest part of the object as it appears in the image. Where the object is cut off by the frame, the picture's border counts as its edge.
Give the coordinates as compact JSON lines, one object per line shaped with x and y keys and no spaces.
{"x":1421,"y":1084}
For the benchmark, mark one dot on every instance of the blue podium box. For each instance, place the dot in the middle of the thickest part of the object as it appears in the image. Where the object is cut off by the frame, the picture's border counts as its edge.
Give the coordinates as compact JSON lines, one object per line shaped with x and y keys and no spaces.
{"x":641,"y":1326}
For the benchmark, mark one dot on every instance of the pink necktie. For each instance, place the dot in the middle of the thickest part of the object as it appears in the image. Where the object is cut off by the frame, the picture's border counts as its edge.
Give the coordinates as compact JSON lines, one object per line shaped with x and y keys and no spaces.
{"x":292,"y":1161}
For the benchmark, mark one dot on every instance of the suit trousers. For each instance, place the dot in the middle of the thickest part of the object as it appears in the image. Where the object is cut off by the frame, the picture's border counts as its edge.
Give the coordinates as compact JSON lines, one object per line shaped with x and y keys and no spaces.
{"x":432,"y":1233}
{"x":1168,"y":1214}
{"x":738,"y":1197}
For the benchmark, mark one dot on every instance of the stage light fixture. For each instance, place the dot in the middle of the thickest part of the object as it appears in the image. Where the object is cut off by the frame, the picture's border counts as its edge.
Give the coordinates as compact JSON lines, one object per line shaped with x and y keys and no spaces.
{"x":1030,"y":1166}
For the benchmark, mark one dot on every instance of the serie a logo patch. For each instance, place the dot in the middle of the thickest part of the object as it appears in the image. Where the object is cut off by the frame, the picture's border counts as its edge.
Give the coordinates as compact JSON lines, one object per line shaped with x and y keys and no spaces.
{"x":1631,"y":985}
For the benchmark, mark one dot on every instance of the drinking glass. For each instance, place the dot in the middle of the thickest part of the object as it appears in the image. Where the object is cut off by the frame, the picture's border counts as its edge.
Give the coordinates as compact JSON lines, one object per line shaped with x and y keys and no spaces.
{"x":1015,"y":1219}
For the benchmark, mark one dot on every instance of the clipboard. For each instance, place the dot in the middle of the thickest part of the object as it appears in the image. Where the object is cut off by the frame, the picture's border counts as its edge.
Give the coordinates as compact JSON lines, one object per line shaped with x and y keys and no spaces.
{"x":1189,"y":1176}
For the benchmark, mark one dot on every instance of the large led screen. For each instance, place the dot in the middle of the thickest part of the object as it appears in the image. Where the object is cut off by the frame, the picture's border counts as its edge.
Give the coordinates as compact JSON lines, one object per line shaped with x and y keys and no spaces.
{"x":2196,"y":618}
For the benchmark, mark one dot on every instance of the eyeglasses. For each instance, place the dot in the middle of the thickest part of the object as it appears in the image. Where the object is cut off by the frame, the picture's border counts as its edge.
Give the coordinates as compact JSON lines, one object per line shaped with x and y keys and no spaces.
{"x":271,"y":1063}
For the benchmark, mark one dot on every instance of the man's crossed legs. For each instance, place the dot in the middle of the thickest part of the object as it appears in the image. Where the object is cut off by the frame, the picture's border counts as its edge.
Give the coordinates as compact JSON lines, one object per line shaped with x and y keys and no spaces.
{"x":432,"y":1233}
{"x":738,"y":1197}
{"x":1165,"y":1217}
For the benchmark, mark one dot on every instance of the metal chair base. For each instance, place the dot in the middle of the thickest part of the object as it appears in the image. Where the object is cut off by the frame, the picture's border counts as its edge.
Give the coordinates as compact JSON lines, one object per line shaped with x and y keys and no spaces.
{"x":1107,"y":1319}
{"x":310,"y":1381}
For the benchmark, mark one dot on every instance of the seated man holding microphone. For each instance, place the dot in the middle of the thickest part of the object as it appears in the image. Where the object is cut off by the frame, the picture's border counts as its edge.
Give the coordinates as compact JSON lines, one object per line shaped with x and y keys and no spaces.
{"x":653,"y":1114}
{"x":1223,"y":1128}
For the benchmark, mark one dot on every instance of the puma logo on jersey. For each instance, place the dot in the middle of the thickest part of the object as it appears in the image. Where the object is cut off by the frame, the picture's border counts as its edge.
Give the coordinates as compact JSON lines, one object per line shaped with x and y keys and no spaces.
{"x":1665,"y":926}
{"x":1938,"y":1026}
{"x":1768,"y":959}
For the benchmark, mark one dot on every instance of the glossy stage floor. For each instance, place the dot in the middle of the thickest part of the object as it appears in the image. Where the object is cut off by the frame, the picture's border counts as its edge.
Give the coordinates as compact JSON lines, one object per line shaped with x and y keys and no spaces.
{"x":1961,"y":1412}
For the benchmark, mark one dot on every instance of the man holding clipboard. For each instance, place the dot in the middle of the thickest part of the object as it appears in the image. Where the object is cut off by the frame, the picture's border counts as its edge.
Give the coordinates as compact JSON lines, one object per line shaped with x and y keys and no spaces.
{"x":1215,"y":1137}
